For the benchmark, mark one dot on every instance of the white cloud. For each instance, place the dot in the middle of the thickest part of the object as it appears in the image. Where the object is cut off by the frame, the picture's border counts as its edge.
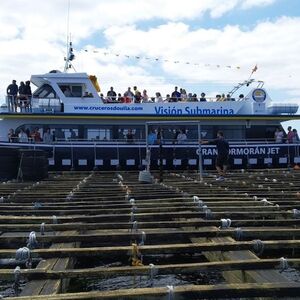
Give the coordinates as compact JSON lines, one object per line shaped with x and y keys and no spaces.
{"x":33,"y":42}
{"x":274,"y":46}
{"x":252,"y":3}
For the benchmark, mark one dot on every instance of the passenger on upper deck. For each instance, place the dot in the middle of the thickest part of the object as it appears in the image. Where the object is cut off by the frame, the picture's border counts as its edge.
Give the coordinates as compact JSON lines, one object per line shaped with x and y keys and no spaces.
{"x":129,"y":94}
{"x":183,"y":95}
{"x":229,"y":98}
{"x":175,"y":96}
{"x":112,"y":95}
{"x":218,"y":98}
{"x":12,"y":92}
{"x":158,"y":98}
{"x":241,"y":97}
{"x":28,"y":94}
{"x":137,"y":95}
{"x":202,"y":98}
{"x":145,"y":97}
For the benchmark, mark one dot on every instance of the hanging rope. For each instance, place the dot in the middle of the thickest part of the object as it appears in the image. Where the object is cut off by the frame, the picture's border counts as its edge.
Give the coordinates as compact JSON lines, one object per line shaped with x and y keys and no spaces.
{"x":296,"y":213}
{"x":143,"y":239}
{"x":54,"y":220}
{"x":42,"y":229}
{"x":37,"y":205}
{"x":17,"y":276}
{"x":225,"y":223}
{"x":196,"y":199}
{"x":134,"y":227}
{"x":23,"y":255}
{"x":238,"y":233}
{"x":258,"y":247}
{"x":170,"y":292}
{"x":153,"y":272}
{"x":283,"y":263}
{"x":32,"y":241}
{"x":132,"y":217}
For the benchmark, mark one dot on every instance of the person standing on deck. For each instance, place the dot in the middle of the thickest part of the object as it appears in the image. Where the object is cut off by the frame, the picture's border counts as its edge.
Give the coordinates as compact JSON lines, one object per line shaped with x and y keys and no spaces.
{"x":223,"y":154}
{"x":12,"y":92}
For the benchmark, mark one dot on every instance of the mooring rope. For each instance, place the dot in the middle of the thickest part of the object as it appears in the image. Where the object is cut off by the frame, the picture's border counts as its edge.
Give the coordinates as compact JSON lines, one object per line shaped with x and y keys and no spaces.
{"x":17,"y":276}
{"x":37,"y":205}
{"x":296,"y":213}
{"x":132,"y":217}
{"x":54,"y":219}
{"x":142,"y":243}
{"x":153,"y":272}
{"x":265,"y":202}
{"x":170,"y":292}
{"x":134,"y":227}
{"x":208,"y":213}
{"x":283,"y":263}
{"x":23,"y":255}
{"x":238,"y":233}
{"x":225,"y":223}
{"x":42,"y":229}
{"x":32,"y":241}
{"x":258,"y":247}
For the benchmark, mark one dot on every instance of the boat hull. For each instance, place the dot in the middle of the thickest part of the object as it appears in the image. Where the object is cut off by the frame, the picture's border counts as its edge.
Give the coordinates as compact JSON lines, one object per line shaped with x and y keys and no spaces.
{"x":80,"y":156}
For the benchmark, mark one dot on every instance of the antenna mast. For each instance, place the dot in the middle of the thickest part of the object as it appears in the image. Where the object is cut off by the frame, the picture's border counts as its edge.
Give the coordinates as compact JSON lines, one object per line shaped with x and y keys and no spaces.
{"x":70,"y":55}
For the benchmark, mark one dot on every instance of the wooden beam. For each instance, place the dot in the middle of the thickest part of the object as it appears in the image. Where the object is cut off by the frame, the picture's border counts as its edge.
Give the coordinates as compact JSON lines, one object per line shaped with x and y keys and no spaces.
{"x":274,"y":290}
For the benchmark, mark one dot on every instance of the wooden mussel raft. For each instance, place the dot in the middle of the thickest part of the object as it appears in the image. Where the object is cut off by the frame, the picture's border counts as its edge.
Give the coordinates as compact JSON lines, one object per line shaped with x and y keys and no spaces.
{"x":97,"y":235}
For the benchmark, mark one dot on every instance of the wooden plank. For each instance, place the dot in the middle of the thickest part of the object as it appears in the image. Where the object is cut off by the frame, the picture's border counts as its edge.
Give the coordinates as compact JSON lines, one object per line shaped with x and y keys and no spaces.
{"x":274,"y":290}
{"x":186,"y":268}
{"x":217,"y":245}
{"x":51,"y":286}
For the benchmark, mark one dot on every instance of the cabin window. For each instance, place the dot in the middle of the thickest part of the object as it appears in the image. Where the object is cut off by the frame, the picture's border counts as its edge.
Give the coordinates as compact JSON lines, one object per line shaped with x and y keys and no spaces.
{"x":99,"y":134}
{"x":71,"y":90}
{"x":44,"y":91}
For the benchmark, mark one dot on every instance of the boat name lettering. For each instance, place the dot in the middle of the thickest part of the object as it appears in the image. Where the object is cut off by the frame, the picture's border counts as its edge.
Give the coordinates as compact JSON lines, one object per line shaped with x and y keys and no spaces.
{"x":243,"y":151}
{"x":169,"y":110}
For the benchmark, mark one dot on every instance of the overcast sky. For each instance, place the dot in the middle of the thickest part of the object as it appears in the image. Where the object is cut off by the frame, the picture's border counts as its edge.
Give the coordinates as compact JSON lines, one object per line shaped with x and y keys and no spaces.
{"x":215,"y":43}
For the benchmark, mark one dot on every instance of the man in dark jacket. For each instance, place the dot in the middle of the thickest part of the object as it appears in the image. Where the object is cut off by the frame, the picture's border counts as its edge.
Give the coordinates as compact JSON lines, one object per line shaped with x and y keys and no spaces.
{"x":12,"y":92}
{"x":223,"y":154}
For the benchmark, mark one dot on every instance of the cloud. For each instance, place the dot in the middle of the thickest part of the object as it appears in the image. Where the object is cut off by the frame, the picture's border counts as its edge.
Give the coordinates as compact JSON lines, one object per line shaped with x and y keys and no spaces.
{"x":274,"y":46}
{"x":247,"y":4}
{"x":34,"y":42}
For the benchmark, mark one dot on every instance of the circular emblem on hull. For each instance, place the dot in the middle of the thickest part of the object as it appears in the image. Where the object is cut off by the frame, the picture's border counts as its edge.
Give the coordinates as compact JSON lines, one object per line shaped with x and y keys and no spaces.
{"x":259,"y":95}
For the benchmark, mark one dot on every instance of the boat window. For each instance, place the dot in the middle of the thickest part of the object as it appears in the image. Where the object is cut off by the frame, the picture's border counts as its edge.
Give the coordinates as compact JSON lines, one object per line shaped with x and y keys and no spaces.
{"x":99,"y":134}
{"x":44,"y":91}
{"x":71,"y":90}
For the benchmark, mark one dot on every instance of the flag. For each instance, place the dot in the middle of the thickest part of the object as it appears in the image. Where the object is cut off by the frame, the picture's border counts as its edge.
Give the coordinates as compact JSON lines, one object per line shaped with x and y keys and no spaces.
{"x":254,"y":69}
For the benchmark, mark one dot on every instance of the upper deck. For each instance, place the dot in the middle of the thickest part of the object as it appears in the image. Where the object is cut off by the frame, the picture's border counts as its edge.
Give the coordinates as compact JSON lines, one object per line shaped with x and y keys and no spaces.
{"x":77,"y":93}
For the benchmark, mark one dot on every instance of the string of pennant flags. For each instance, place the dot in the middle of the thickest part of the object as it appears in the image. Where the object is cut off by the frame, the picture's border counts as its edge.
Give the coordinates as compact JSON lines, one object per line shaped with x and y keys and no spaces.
{"x":158,"y":59}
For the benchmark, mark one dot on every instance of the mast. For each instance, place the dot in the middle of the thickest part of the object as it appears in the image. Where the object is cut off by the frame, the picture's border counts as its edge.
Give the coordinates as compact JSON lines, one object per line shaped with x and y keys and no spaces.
{"x":70,"y":55}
